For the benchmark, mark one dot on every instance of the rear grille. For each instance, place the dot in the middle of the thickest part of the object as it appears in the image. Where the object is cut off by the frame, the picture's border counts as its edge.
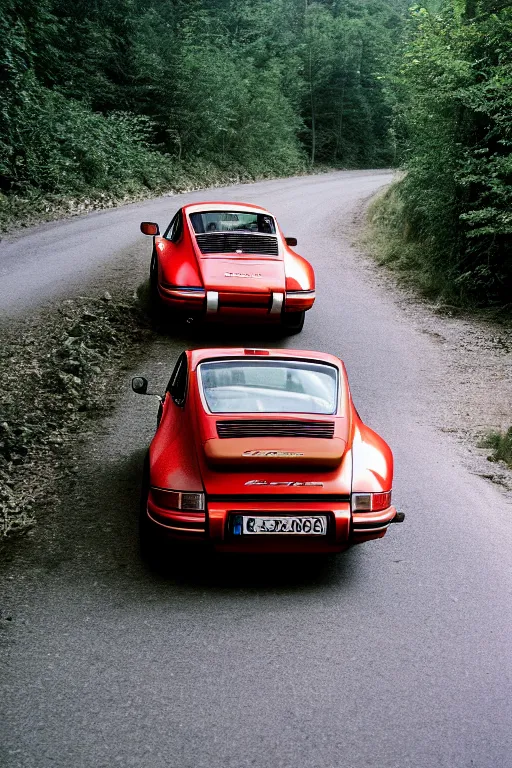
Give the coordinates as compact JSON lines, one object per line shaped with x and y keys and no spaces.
{"x":275,"y":428}
{"x":231,"y":242}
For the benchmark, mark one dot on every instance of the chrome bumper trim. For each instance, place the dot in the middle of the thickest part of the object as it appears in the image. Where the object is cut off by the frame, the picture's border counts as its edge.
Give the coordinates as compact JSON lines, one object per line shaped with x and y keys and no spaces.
{"x":182,"y":293}
{"x":300,"y":295}
{"x":212,"y":302}
{"x":376,"y":529}
{"x":277,"y":303}
{"x":172,"y":527}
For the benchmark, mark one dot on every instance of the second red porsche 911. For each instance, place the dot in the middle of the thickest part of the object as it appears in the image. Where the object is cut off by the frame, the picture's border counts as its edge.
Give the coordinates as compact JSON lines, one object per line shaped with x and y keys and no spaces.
{"x":261,"y":450}
{"x":229,"y":262}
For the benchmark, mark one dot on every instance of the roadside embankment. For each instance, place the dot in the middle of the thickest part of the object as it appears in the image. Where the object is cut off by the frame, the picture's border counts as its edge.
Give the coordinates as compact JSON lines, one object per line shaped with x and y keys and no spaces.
{"x":56,"y":372}
{"x":34,"y":206}
{"x":475,"y":378}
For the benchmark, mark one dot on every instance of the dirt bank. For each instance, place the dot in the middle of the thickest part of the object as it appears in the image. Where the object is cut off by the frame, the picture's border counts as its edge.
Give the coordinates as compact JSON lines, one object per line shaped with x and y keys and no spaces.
{"x":59,"y":370}
{"x":474,"y":374}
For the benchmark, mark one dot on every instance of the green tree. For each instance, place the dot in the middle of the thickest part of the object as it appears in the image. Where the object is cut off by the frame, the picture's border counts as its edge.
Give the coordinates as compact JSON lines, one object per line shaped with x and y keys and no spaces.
{"x":456,"y":97}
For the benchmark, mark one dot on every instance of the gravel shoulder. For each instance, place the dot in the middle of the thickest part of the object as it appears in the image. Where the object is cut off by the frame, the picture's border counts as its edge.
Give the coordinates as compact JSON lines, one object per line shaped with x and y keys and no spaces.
{"x":57,"y":371}
{"x":472,"y":375}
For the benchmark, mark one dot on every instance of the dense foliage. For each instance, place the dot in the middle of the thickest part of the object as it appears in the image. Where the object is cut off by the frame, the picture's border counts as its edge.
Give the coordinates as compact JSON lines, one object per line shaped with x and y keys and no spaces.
{"x":104,"y":94}
{"x":455,"y":113}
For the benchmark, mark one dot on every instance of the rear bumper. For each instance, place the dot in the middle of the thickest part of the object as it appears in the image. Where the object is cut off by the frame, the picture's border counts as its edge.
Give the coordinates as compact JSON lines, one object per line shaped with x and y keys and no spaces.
{"x":221,"y":306}
{"x":373,"y":525}
{"x":215,"y":526}
{"x":220,"y":515}
{"x":299,"y":301}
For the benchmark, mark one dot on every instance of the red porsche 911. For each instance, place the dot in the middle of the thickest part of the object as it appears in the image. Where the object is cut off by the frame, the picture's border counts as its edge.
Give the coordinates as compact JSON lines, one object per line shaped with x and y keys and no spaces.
{"x":262,"y":450}
{"x":229,"y":262}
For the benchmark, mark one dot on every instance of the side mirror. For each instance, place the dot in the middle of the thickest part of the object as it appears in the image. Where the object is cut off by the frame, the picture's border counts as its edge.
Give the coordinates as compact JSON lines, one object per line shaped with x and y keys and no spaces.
{"x":149,"y":228}
{"x":140,"y":385}
{"x":291,"y":240}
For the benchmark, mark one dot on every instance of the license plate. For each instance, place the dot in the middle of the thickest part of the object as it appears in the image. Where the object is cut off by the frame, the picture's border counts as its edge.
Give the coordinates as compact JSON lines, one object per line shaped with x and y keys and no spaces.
{"x":258,"y":524}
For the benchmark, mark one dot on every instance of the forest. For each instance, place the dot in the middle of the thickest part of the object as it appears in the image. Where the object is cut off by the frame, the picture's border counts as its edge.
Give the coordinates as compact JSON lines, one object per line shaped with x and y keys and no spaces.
{"x":448,"y":223}
{"x":123,"y":97}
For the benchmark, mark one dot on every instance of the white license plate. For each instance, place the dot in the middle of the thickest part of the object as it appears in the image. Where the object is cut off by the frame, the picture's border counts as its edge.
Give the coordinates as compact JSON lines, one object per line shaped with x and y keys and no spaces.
{"x":310,"y":526}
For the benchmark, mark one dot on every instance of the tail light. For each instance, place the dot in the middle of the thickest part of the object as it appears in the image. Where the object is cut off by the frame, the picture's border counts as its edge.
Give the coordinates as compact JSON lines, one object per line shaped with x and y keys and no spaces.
{"x":371,"y":502}
{"x":183,"y":501}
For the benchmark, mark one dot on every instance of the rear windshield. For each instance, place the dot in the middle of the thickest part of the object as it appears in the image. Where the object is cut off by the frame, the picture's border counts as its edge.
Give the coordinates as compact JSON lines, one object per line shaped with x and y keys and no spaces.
{"x":269,"y":386}
{"x":232,"y":221}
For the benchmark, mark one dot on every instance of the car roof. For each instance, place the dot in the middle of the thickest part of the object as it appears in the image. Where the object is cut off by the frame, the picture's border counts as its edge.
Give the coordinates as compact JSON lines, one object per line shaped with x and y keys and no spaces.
{"x":223,"y":205}
{"x":199,"y":355}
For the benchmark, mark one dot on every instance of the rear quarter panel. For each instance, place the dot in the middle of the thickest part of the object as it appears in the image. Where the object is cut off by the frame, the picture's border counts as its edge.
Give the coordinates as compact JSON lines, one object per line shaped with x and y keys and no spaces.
{"x":300,"y":275}
{"x":177,"y":263}
{"x":173,"y":461}
{"x":372,"y":465}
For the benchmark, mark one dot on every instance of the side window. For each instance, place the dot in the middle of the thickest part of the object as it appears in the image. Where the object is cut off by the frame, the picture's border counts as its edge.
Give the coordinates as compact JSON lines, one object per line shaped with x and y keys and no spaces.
{"x":175,"y":228}
{"x":178,"y":382}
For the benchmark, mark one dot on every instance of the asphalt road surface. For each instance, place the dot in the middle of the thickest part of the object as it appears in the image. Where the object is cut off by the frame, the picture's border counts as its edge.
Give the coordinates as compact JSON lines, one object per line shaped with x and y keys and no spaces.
{"x":396,"y":654}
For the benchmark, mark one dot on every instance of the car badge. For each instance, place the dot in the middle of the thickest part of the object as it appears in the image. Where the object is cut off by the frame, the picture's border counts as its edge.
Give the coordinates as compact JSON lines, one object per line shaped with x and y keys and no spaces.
{"x":238,"y":250}
{"x":272,"y":454}
{"x":255,"y":275}
{"x":286,"y":483}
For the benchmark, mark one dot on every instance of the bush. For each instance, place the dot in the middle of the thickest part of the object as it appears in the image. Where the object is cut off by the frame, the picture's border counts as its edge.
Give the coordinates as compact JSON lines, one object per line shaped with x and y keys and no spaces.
{"x":60,"y":146}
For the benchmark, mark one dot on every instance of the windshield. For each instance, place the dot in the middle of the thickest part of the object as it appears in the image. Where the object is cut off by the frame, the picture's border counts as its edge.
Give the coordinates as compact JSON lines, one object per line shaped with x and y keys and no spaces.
{"x":269,"y":386}
{"x":232,"y":221}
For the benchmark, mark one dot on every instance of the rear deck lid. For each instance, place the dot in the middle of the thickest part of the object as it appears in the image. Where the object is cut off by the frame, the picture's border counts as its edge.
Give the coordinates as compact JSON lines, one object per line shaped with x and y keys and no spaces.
{"x":264,"y":412}
{"x":275,"y":453}
{"x":242,"y":274}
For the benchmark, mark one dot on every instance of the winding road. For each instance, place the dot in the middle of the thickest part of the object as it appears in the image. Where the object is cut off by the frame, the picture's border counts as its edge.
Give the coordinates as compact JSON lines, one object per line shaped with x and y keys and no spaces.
{"x":396,"y":654}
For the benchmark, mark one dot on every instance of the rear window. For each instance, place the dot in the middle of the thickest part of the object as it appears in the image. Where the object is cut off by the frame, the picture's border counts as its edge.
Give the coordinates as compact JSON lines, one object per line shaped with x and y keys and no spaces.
{"x":269,"y":386}
{"x":232,"y":221}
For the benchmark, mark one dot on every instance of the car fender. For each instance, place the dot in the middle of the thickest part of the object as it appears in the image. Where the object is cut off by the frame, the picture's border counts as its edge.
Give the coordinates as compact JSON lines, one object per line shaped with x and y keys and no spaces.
{"x":300,"y":275}
{"x":177,"y":264}
{"x":172,"y":456}
{"x":372,"y":461}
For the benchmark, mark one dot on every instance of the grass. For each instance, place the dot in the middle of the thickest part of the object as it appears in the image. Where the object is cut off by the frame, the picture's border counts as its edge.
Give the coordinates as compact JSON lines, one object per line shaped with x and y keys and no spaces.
{"x":419,"y":264}
{"x":389,"y":240}
{"x":501,"y":445}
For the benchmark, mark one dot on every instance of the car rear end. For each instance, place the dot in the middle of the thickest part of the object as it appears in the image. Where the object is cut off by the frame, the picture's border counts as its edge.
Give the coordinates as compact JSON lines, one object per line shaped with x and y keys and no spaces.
{"x":278,"y":447}
{"x":272,"y":433}
{"x":241,"y":255}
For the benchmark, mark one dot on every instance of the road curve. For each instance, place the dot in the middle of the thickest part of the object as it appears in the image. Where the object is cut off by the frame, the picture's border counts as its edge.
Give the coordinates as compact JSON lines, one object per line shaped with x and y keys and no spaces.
{"x":396,"y":654}
{"x":55,"y":260}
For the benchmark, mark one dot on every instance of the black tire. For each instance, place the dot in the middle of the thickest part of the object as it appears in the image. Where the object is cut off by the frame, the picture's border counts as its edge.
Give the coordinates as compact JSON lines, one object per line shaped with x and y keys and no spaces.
{"x":293,"y":322}
{"x":155,"y":301}
{"x":147,"y":539}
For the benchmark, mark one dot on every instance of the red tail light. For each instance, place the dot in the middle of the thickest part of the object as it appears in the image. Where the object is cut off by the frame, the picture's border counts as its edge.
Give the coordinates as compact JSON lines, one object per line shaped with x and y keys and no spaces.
{"x":371,"y":502}
{"x":178,"y":500}
{"x":381,"y":501}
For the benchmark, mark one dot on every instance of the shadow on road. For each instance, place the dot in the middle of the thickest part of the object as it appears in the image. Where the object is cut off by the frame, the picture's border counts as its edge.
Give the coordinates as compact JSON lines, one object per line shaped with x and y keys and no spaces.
{"x":114,"y":497}
{"x":91,"y":537}
{"x":275,"y":573}
{"x":201,"y":334}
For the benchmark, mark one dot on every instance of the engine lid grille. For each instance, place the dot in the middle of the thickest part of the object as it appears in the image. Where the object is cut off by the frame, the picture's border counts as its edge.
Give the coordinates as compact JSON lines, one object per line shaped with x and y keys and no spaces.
{"x":275,"y":428}
{"x":233,"y":242}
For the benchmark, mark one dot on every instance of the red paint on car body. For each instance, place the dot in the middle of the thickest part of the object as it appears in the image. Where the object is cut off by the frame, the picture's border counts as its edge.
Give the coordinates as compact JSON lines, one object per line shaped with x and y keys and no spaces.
{"x":199,"y":451}
{"x":243,"y":285}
